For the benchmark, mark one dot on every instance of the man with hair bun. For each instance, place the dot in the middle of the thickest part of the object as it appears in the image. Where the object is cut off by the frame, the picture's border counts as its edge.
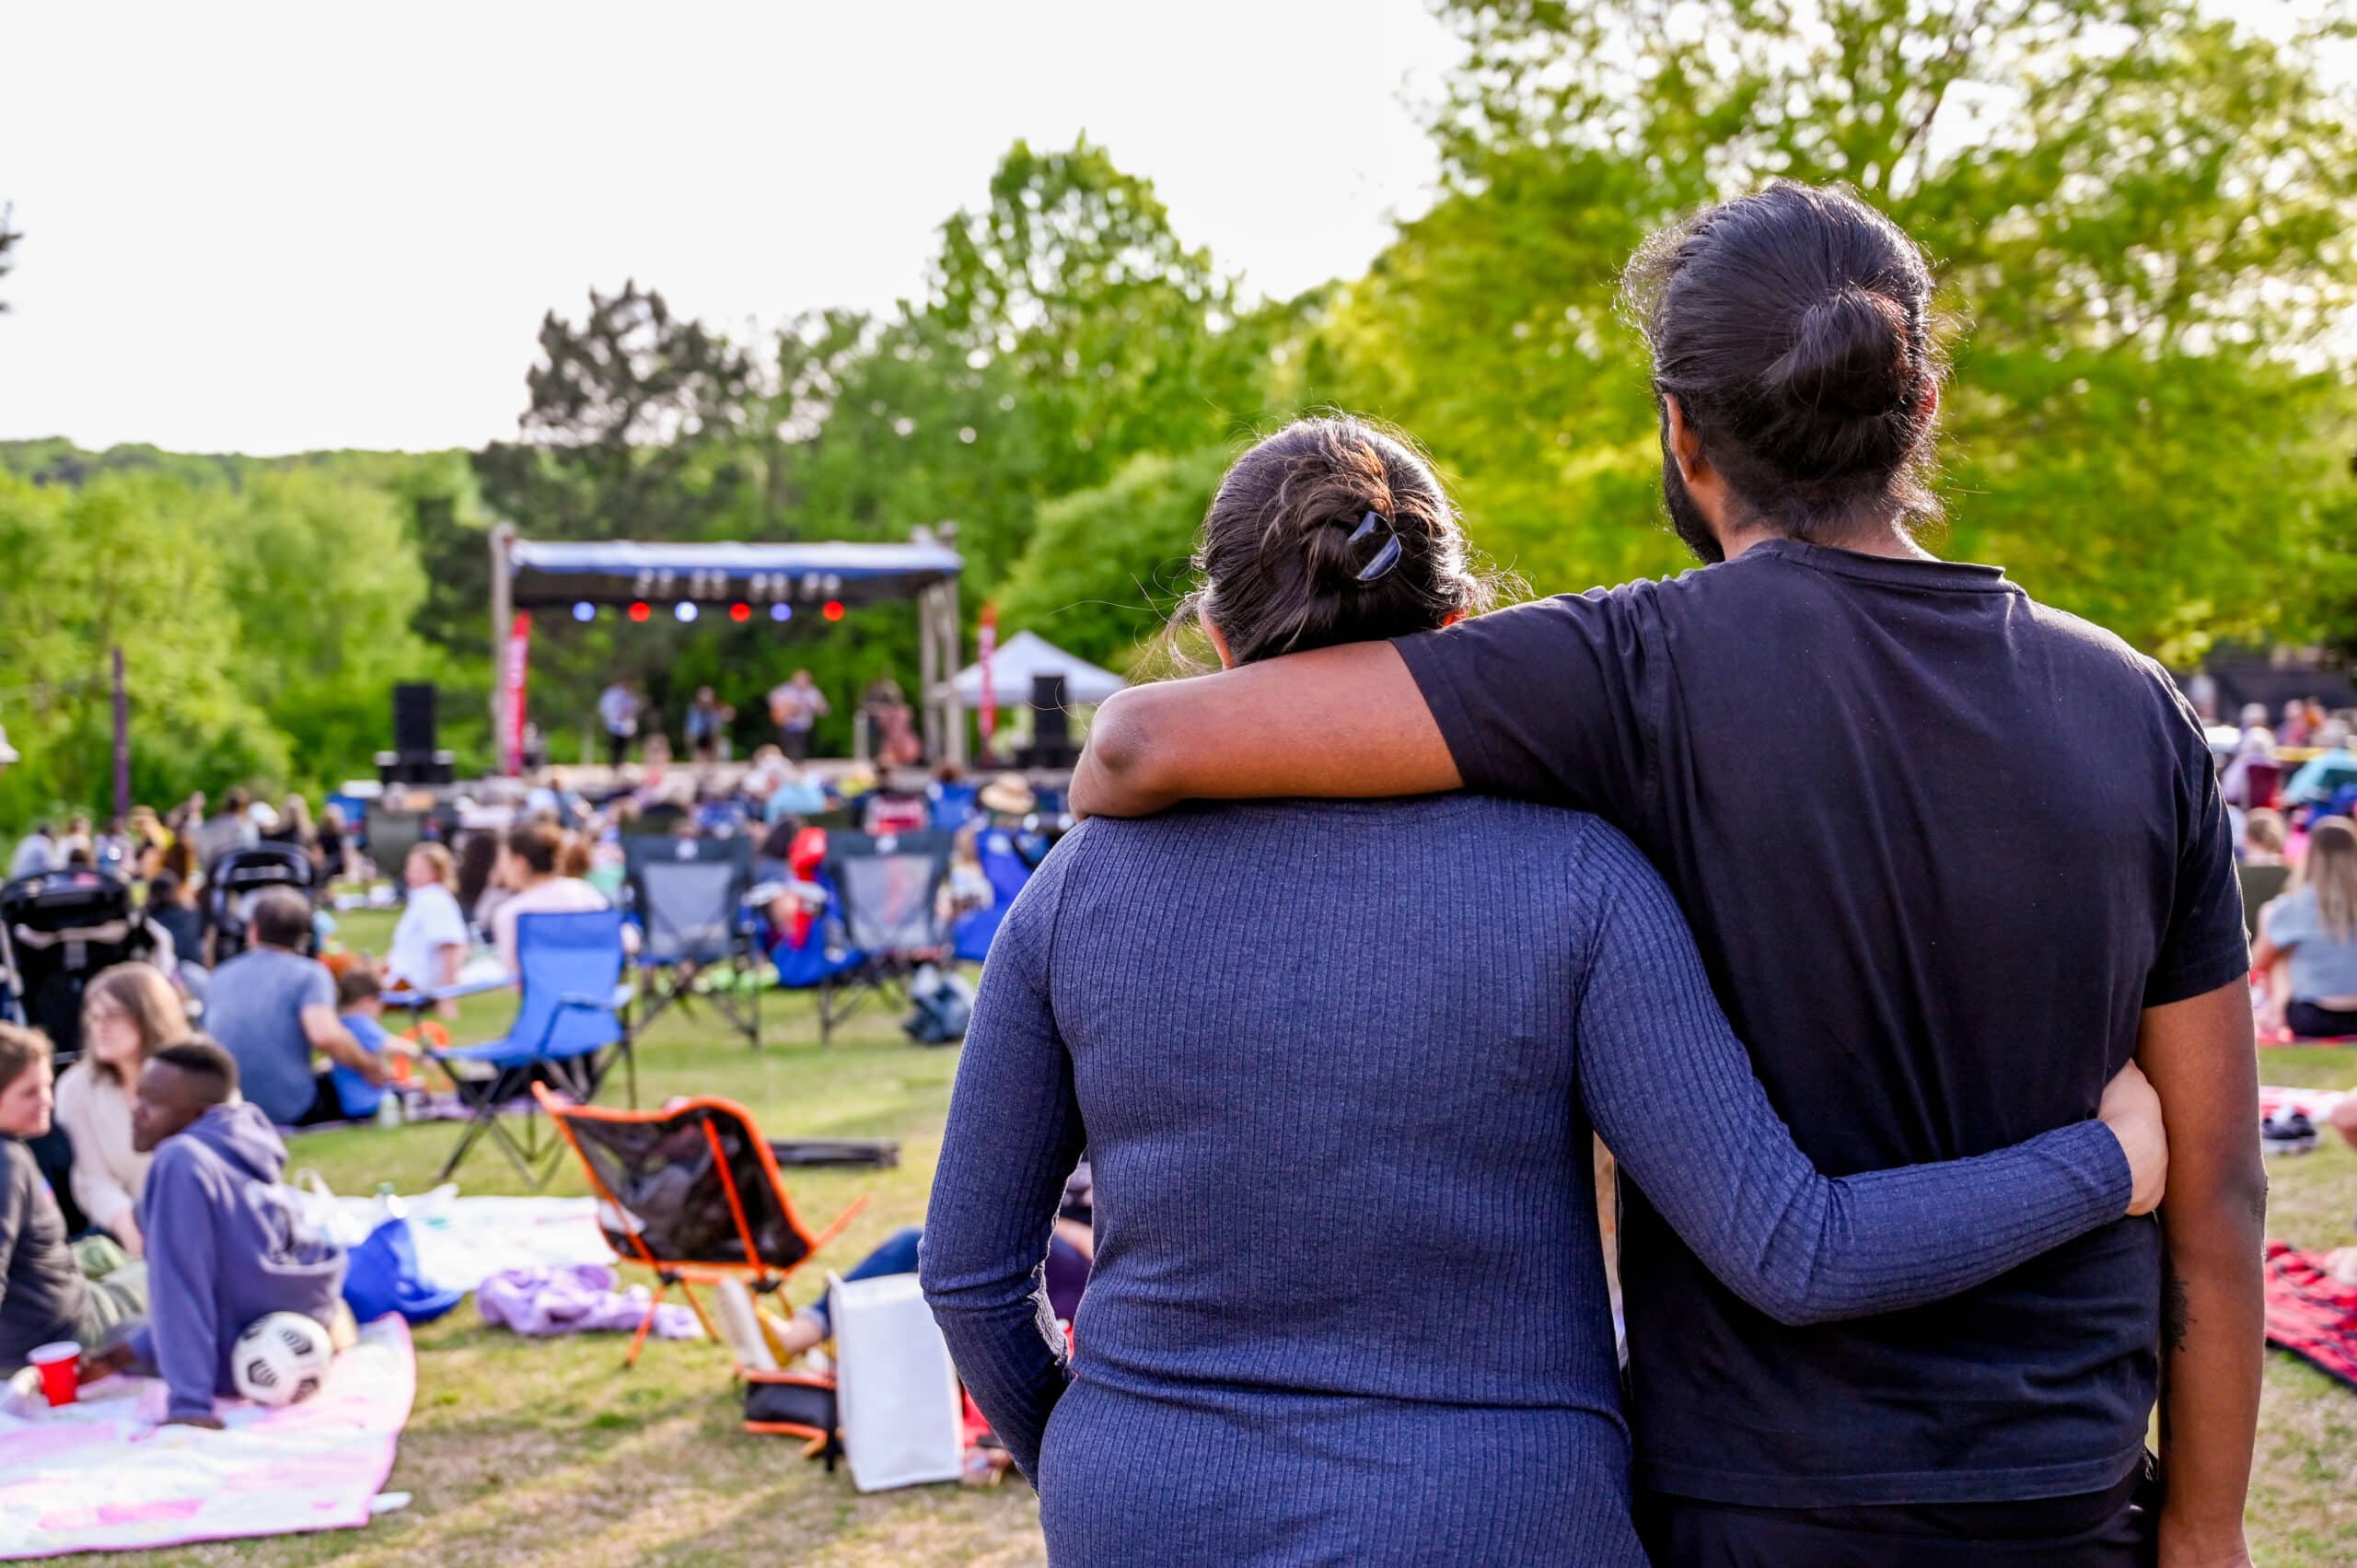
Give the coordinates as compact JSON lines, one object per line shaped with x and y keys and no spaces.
{"x":1952,"y":859}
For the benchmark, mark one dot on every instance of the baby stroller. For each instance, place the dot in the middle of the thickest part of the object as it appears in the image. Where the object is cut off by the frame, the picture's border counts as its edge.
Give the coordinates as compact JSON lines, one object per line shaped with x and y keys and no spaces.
{"x":242,"y":875}
{"x":57,"y":929}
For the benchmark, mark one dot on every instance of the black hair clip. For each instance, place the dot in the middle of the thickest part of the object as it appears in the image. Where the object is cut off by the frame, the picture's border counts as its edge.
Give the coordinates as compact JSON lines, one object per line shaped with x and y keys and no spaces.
{"x":1385,"y":558}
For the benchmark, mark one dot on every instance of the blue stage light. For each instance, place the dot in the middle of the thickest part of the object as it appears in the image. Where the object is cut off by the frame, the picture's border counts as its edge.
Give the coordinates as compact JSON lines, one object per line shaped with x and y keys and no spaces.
{"x":781,"y":612}
{"x":584,"y":611}
{"x":685,"y":611}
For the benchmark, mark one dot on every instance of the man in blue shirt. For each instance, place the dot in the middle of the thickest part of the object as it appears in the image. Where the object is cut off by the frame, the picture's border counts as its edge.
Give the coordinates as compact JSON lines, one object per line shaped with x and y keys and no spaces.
{"x":271,"y":1006}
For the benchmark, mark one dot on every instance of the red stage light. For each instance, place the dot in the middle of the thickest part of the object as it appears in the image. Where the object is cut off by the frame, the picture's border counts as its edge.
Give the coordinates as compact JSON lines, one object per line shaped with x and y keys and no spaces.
{"x":740,"y":613}
{"x":639,"y":611}
{"x":832,"y":609}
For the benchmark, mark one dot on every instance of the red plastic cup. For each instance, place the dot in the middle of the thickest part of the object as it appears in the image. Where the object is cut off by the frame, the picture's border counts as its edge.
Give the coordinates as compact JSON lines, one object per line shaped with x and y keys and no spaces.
{"x":59,"y":1366}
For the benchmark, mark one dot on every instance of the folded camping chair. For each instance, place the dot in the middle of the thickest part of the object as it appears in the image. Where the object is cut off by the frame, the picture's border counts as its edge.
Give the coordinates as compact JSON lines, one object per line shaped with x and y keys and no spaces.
{"x":690,"y":896}
{"x":887,"y":892}
{"x":388,"y":836}
{"x":694,"y":1192}
{"x":569,"y":1032}
{"x":2261,"y":885}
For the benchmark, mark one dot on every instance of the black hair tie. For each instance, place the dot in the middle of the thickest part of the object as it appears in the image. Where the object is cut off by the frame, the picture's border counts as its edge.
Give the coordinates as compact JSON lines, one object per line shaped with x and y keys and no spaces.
{"x":1375,"y":525}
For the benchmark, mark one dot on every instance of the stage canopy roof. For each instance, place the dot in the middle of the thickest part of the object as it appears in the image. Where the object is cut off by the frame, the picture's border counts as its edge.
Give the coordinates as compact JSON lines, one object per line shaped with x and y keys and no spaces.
{"x":1028,"y":653}
{"x":546,"y":573}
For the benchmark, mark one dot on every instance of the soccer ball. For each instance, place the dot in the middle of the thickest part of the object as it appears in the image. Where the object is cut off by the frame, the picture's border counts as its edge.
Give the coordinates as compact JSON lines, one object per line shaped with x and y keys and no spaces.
{"x":282,"y":1359}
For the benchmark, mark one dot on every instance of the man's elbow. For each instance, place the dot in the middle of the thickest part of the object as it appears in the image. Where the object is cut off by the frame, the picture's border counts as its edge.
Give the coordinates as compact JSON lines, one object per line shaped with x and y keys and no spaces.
{"x":1116,"y":774}
{"x":2223,"y":1209}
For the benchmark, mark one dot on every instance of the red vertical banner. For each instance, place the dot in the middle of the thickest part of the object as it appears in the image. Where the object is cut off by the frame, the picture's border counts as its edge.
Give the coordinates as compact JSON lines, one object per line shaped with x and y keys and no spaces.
{"x":511,"y":676}
{"x":985,"y":650}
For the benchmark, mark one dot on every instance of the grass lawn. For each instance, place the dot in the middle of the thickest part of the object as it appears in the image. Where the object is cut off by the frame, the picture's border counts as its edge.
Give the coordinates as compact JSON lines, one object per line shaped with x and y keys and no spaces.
{"x":532,"y":1452}
{"x":525,"y":1451}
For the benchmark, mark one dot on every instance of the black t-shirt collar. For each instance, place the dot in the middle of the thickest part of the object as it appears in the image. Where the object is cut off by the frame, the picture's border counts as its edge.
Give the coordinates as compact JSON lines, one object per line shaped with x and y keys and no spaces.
{"x":1898,"y":571}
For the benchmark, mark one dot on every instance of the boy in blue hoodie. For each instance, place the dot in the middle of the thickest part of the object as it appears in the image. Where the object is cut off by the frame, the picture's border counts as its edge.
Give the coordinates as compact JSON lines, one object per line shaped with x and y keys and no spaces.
{"x":224,"y":1247}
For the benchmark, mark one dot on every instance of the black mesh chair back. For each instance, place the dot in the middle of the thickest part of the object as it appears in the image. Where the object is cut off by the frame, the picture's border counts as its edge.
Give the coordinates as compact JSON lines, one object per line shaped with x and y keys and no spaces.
{"x":889,"y":890}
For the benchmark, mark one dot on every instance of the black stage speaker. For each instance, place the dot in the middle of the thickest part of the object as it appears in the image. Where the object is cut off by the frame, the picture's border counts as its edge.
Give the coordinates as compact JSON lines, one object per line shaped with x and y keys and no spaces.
{"x":413,"y":727}
{"x":415,"y":758}
{"x":1052,"y":744}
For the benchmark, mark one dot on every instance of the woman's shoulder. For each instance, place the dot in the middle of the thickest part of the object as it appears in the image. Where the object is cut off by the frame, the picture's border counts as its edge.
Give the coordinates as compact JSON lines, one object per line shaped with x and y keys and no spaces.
{"x":75,"y":1085}
{"x":1477,"y":832}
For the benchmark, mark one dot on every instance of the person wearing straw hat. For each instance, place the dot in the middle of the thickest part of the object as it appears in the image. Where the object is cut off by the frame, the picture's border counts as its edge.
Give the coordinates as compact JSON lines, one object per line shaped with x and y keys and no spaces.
{"x":1009,"y":796}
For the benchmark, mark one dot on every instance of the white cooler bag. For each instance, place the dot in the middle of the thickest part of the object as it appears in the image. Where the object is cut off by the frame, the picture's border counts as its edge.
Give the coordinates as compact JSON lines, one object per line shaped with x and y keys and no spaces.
{"x":896,"y":1392}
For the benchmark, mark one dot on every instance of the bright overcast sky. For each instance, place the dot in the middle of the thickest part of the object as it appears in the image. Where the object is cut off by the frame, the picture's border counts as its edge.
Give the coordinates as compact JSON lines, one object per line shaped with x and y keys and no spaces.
{"x":270,"y":229}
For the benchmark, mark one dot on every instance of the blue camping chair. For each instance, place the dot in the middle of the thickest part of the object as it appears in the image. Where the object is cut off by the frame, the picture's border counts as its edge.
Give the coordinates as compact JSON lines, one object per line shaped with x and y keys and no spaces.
{"x":822,"y":957}
{"x":568,"y":1032}
{"x":1006,"y":868}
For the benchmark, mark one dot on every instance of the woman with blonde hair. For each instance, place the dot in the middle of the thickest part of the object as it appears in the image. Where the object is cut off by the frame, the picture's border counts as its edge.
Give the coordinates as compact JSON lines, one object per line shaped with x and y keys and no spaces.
{"x":129,"y":1013}
{"x":2307,"y":938}
{"x":430,"y":942}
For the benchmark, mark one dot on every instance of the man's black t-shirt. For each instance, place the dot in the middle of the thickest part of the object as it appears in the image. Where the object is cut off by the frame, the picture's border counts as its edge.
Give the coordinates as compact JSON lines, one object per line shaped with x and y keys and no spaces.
{"x":1941,"y":846}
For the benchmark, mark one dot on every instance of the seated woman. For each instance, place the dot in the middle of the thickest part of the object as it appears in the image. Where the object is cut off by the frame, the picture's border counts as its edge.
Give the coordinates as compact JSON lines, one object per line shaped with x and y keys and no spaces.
{"x":1335,"y":1064}
{"x":2307,"y":939}
{"x":128,"y":1012}
{"x":431,"y":939}
{"x":48,"y":1292}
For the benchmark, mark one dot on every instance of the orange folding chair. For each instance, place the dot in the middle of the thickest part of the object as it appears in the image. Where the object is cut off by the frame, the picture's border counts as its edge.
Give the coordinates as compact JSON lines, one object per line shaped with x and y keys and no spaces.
{"x":694,"y":1192}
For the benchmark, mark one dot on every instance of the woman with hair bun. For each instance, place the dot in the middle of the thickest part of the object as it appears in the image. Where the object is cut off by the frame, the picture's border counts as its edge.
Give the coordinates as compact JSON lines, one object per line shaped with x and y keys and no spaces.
{"x":1335,"y":1068}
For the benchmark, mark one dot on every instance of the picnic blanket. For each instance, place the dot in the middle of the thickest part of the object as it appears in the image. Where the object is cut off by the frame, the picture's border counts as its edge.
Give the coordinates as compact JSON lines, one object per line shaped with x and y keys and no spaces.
{"x":463,"y":1241}
{"x":103,"y":1476}
{"x":2315,"y":1104}
{"x":2310,"y":1313}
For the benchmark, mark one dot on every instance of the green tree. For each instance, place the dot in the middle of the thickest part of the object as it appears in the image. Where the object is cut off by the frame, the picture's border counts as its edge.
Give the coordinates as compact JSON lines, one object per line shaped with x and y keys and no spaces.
{"x":324,"y":583}
{"x":1116,"y":331}
{"x":2140,"y":215}
{"x":127,"y":561}
{"x":1107,"y":566}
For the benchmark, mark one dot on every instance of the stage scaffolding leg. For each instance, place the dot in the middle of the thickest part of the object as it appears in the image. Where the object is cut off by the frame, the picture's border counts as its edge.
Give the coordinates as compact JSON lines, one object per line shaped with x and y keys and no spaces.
{"x":502,"y":618}
{"x":929,"y":667}
{"x":953,"y":708}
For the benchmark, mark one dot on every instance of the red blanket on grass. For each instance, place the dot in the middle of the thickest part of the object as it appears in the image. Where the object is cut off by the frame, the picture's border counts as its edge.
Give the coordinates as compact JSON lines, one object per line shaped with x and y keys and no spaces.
{"x":2310,"y":1313}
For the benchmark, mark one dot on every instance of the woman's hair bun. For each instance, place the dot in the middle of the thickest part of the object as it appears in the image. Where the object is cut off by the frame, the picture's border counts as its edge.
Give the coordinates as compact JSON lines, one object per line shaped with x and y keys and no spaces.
{"x":1289,"y":562}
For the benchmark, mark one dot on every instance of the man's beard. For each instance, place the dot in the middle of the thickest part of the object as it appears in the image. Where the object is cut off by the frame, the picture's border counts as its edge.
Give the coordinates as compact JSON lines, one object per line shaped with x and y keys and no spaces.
{"x":1686,"y":518}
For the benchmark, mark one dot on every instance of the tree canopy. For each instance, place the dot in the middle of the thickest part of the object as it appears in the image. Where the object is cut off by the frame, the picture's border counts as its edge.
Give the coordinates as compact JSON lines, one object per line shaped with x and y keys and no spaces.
{"x":2139,"y":213}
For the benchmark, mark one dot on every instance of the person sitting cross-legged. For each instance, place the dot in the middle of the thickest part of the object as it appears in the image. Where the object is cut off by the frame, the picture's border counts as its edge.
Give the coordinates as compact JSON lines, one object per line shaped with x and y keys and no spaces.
{"x":224,"y":1243}
{"x":272,"y":1006}
{"x":49,"y":1292}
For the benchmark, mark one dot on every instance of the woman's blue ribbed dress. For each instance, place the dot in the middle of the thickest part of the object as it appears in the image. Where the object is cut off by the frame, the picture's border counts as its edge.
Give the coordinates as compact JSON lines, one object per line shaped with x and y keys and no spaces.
{"x":1335,"y":1067}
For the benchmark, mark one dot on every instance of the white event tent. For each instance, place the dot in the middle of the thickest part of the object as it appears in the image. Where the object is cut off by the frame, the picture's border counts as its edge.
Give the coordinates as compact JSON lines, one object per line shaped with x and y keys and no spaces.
{"x":1027,"y":654}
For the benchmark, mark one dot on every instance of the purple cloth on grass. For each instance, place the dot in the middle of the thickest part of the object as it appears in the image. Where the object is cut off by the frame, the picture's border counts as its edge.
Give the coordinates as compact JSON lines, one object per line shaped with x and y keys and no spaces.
{"x":576,"y":1299}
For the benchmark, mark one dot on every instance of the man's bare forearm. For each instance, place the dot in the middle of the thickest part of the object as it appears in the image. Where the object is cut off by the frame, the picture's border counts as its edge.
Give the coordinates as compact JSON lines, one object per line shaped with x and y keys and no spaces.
{"x":2202,"y":1059}
{"x":2213,"y":1330}
{"x":1338,"y":723}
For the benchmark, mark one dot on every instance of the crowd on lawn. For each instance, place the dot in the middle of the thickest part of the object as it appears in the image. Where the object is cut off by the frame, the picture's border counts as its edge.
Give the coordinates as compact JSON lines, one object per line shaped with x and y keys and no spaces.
{"x":160,"y":1231}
